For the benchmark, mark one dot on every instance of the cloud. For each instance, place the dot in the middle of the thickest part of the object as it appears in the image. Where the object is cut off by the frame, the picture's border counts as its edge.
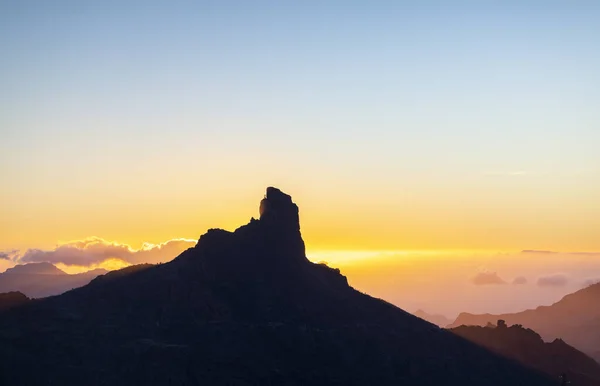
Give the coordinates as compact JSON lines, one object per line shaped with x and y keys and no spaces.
{"x":556,"y":280}
{"x":93,"y":251}
{"x":487,"y":278}
{"x":542,"y":252}
{"x":538,"y":252}
{"x":520,"y":280}
{"x":9,"y":255}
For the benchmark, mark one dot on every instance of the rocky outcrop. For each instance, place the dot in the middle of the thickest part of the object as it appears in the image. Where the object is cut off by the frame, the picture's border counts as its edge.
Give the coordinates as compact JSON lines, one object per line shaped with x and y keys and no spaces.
{"x":278,"y":210}
{"x":274,"y":238}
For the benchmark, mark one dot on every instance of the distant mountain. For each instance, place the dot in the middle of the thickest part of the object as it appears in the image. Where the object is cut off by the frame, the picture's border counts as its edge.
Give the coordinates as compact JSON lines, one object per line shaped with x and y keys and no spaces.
{"x":575,"y":319}
{"x":240,"y":308}
{"x":38,"y":280}
{"x":438,"y":320}
{"x":35,"y":269}
{"x":526,"y":346}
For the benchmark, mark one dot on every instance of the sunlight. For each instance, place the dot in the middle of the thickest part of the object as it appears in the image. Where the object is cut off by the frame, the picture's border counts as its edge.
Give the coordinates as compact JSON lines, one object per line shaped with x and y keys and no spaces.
{"x":110,"y":264}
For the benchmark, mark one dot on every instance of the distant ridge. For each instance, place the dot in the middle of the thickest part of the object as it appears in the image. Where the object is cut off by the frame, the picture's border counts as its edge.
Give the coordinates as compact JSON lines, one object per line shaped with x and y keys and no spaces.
{"x":240,"y":308}
{"x":34,"y":269}
{"x":575,"y":318}
{"x":38,"y":280}
{"x":526,"y":346}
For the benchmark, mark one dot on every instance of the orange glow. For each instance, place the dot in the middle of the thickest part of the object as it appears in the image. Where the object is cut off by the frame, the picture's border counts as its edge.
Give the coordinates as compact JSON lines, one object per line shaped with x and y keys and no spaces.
{"x":110,"y":264}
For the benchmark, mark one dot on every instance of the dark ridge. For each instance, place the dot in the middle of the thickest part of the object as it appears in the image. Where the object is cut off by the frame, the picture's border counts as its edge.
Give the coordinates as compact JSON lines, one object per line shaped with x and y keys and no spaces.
{"x":527,"y":347}
{"x":12,"y":299}
{"x":240,"y":308}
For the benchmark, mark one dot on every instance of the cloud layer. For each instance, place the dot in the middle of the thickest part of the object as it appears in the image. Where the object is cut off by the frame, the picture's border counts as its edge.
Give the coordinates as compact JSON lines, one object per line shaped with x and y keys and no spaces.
{"x":556,"y":280}
{"x":94,"y":250}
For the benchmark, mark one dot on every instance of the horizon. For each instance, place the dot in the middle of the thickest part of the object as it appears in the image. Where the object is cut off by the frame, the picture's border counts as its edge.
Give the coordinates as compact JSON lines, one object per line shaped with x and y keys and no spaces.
{"x":482,"y":281}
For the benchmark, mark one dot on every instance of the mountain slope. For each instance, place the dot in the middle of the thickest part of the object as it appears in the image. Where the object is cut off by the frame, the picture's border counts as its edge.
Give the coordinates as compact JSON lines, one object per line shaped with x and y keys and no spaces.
{"x":240,"y":308}
{"x":575,"y":319}
{"x":526,"y":346}
{"x":39,"y":280}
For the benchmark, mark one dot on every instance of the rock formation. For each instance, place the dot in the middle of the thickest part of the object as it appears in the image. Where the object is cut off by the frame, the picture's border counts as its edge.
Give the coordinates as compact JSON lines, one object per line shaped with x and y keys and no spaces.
{"x":240,"y":308}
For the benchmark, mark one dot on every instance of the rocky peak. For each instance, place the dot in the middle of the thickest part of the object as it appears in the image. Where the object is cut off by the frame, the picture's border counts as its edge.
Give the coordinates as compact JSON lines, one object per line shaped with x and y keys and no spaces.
{"x":275,"y":237}
{"x":277,"y":208}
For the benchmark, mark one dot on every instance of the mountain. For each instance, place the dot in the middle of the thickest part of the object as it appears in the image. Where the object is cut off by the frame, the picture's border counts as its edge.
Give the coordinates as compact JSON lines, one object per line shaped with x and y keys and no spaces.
{"x":35,"y":269}
{"x":438,"y":320}
{"x":38,"y":280}
{"x":526,"y":346}
{"x":575,"y":319}
{"x":240,"y":308}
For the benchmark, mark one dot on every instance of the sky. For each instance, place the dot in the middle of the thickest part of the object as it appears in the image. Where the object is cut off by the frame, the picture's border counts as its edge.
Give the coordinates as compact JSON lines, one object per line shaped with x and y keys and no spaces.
{"x":395,"y":125}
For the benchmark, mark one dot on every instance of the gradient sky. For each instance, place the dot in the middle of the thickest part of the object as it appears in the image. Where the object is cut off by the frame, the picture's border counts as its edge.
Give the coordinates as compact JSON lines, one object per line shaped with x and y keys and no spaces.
{"x":394,"y":125}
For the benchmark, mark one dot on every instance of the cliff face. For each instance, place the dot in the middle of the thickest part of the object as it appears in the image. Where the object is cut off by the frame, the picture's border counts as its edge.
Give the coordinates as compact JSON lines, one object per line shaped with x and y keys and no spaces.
{"x":240,"y":308}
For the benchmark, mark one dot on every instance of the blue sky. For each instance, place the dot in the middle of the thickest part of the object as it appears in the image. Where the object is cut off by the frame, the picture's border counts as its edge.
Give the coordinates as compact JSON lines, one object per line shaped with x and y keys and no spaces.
{"x":386,"y":93}
{"x":493,"y":74}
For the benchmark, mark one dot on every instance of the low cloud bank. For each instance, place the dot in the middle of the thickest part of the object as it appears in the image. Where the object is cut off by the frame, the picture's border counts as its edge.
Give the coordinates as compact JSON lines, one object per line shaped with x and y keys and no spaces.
{"x":556,"y":280}
{"x":94,"y":251}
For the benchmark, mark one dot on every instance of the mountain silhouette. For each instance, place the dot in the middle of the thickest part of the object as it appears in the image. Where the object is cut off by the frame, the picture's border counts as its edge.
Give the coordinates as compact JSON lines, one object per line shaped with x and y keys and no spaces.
{"x":39,"y":280}
{"x":35,"y":269}
{"x":575,"y":319}
{"x":240,"y":308}
{"x":526,"y":346}
{"x":437,"y":319}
